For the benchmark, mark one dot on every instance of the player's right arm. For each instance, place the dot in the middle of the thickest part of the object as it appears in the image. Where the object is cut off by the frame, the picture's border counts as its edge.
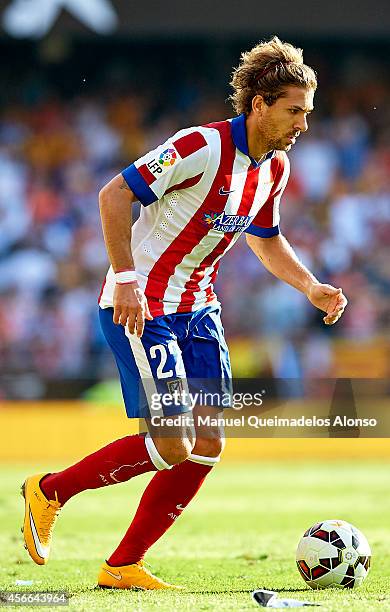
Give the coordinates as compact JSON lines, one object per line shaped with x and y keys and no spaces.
{"x":181,"y":158}
{"x":115,"y":202}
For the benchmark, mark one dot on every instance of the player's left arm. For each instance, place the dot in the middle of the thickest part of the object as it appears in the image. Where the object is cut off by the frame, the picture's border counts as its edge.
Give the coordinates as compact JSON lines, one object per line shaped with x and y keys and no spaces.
{"x":279,"y":258}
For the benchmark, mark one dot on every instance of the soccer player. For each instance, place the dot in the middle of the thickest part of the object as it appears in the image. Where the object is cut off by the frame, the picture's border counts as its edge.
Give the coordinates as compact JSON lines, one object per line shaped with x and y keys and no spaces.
{"x":199,"y":192}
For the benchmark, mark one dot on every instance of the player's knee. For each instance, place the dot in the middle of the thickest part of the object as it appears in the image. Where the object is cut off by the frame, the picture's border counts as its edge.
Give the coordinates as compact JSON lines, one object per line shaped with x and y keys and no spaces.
{"x":174,"y":450}
{"x":209,"y":447}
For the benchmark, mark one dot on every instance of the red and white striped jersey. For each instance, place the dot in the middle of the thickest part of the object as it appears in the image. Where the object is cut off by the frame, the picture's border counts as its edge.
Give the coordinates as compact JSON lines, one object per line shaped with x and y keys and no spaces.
{"x":200,"y":190}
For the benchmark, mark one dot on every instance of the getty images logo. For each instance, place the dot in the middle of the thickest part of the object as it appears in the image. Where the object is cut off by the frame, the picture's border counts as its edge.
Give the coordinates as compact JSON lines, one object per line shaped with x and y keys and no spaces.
{"x":34,"y":18}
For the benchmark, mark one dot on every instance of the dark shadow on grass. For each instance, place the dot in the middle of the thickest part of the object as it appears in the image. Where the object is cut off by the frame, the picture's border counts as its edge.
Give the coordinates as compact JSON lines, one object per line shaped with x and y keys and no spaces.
{"x":96,"y":589}
{"x":249,"y":591}
{"x":295,"y":590}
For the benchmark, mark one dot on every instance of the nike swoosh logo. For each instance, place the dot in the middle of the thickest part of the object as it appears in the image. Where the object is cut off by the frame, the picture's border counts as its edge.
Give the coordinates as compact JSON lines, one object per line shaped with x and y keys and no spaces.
{"x":41,"y":550}
{"x":116,"y":576}
{"x":180,"y":507}
{"x":222,"y":191}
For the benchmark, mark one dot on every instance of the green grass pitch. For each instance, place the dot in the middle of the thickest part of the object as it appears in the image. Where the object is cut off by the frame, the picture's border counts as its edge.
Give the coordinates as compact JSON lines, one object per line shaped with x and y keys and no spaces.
{"x":239,"y":534}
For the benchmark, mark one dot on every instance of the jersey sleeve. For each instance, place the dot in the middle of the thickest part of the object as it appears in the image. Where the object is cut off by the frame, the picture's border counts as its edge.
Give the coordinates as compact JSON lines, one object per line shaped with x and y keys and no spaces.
{"x":266,"y":222}
{"x":178,"y":163}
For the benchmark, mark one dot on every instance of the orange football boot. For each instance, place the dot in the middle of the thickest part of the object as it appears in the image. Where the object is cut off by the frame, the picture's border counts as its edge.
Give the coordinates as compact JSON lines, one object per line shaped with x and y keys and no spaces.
{"x":39,"y":518}
{"x":135,"y":576}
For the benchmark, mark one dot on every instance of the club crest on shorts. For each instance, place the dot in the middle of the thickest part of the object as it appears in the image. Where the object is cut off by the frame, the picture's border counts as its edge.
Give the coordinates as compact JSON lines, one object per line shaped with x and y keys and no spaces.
{"x":175,"y":386}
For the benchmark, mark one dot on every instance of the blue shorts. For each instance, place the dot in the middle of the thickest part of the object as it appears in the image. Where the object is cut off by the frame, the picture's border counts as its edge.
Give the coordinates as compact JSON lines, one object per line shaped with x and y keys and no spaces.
{"x":177,"y":351}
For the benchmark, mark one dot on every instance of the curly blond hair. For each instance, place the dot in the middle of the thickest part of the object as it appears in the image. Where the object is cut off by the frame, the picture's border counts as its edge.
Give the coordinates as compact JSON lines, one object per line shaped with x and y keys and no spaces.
{"x":266,"y":70}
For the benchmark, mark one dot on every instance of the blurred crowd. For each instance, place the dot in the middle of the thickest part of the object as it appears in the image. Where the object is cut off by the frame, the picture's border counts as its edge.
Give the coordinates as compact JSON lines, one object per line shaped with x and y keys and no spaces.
{"x":57,"y":154}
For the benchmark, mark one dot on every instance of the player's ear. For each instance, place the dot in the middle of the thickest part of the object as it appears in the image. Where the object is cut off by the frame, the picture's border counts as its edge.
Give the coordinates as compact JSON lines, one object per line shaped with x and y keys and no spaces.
{"x":257,"y":104}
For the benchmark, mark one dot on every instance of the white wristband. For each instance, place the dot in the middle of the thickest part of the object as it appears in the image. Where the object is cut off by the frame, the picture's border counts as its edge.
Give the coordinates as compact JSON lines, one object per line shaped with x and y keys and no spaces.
{"x":125,"y":277}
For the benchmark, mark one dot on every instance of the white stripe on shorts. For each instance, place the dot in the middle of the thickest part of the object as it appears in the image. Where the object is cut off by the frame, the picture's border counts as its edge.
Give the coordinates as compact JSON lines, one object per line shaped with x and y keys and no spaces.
{"x":141,"y":359}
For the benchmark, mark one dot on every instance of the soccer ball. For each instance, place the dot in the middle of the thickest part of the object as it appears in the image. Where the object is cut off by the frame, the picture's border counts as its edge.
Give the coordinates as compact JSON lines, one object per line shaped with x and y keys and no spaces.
{"x":333,"y":554}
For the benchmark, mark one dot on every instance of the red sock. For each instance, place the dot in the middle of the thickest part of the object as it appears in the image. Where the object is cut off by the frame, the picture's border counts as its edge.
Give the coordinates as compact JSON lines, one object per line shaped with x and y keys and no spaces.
{"x":116,"y":462}
{"x":164,"y":499}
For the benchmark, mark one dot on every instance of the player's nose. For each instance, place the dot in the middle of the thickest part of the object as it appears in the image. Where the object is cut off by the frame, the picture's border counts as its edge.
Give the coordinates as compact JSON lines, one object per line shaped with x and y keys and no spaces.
{"x":301,"y":124}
